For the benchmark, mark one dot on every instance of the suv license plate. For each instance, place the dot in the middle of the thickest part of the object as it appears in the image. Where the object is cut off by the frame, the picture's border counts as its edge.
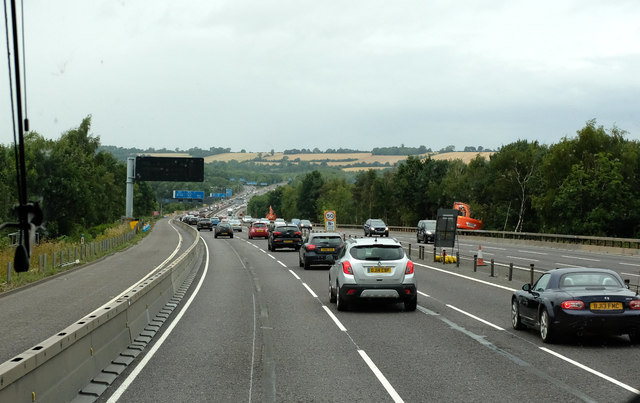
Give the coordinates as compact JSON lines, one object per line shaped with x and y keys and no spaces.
{"x":379,"y":269}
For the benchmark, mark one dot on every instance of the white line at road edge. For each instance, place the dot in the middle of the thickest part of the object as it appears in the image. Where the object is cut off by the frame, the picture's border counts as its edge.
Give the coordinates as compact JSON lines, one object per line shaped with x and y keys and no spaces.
{"x":465,"y":277}
{"x":282,"y":264}
{"x":294,"y":274}
{"x":136,"y":371}
{"x":474,"y":317}
{"x":334,"y":318}
{"x":593,"y":371}
{"x":383,"y":380}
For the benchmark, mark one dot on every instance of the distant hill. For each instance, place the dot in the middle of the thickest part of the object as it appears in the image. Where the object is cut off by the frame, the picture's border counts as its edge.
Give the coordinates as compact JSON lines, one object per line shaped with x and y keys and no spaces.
{"x":354,"y":161}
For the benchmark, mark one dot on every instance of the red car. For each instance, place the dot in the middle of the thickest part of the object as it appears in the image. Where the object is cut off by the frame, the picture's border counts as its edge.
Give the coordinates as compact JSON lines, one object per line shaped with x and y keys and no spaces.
{"x":258,"y":230}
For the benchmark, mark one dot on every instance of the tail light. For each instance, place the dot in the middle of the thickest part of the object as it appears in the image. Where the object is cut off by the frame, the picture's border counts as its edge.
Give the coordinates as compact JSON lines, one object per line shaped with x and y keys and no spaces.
{"x":311,"y":247}
{"x":572,"y":305}
{"x":634,"y":304}
{"x":277,"y":233}
{"x":409,"y":268}
{"x":298,"y":233}
{"x":346,"y":267}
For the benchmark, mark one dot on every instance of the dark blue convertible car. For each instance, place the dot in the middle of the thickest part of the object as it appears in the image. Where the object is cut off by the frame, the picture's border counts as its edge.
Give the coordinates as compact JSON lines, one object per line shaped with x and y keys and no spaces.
{"x":573,"y":301}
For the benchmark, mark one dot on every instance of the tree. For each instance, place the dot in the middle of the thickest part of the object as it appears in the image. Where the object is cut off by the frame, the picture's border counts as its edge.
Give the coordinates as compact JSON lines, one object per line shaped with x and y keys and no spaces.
{"x":515,"y":169}
{"x":308,"y":196}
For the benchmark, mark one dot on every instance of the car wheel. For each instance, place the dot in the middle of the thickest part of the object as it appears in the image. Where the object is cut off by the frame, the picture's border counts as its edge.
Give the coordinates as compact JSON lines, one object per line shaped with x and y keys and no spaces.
{"x":231,"y":236}
{"x":411,"y":305}
{"x":300,"y":263}
{"x":515,"y":315}
{"x":634,"y":337}
{"x":306,"y":265}
{"x":341,"y":304}
{"x":332,"y":293}
{"x":546,"y":329}
{"x":210,"y":229}
{"x":418,"y":239}
{"x":215,"y":236}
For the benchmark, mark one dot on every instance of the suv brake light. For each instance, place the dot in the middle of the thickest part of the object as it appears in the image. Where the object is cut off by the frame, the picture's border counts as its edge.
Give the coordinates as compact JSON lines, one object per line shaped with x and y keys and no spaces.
{"x":409,"y":268}
{"x":346,"y":267}
{"x":311,"y":247}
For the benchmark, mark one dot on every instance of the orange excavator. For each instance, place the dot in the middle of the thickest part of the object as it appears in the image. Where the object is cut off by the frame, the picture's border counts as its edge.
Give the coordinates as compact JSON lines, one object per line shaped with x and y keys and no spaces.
{"x":271,"y":216}
{"x":464,"y":217}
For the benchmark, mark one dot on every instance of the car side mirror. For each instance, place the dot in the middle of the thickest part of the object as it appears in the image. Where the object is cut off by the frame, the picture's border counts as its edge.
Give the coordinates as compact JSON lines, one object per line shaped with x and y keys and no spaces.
{"x":627,"y":282}
{"x":526,"y":287}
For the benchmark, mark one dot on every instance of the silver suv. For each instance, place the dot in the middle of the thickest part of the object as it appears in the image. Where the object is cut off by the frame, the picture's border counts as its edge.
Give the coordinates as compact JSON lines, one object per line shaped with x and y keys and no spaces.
{"x":375,"y":268}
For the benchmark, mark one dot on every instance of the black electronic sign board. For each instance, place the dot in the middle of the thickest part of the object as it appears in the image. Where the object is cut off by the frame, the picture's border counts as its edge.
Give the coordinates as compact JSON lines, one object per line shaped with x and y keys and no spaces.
{"x":170,"y":169}
{"x":446,"y":226}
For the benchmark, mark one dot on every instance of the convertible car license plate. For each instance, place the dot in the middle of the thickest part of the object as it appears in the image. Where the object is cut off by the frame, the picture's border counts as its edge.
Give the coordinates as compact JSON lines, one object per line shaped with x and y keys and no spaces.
{"x":606,"y":306}
{"x":327,"y":249}
{"x":379,"y":269}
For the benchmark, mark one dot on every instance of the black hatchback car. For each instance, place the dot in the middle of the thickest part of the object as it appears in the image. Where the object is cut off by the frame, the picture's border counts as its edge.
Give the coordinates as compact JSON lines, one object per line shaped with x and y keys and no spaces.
{"x":223,"y":229}
{"x":318,"y":247}
{"x":204,"y":223}
{"x":285,"y":236}
{"x":426,"y":231}
{"x":375,"y":226}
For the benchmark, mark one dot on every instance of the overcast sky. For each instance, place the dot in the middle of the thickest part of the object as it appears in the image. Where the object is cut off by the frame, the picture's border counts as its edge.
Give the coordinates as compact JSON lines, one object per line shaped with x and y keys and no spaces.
{"x":266,"y":74}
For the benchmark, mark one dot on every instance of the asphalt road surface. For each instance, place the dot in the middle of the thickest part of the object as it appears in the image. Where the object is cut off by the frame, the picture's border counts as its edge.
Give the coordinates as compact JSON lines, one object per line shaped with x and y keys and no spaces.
{"x":258,"y":328}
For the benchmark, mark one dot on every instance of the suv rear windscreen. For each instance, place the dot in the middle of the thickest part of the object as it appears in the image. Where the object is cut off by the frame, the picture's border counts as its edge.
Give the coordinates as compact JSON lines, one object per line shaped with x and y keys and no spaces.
{"x":377,"y":252}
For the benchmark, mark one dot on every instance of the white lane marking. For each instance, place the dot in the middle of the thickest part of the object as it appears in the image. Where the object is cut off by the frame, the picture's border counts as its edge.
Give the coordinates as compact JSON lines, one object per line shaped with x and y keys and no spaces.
{"x":421,"y":293}
{"x":593,"y":371}
{"x":383,"y":380}
{"x":475,"y":317}
{"x":466,"y":277}
{"x":143,"y":363}
{"x":630,"y":274}
{"x":532,"y":252}
{"x":580,"y":258}
{"x":272,"y":257}
{"x":629,"y":264}
{"x":564,"y":264}
{"x":282,"y":264}
{"x":475,"y":252}
{"x":334,"y":318}
{"x":485,"y":247}
{"x":528,"y":259}
{"x":294,"y":274}
{"x":313,"y":294}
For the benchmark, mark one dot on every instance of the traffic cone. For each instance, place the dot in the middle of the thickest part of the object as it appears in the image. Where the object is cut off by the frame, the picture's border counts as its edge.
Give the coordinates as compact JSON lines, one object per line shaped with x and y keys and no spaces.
{"x":480,"y":259}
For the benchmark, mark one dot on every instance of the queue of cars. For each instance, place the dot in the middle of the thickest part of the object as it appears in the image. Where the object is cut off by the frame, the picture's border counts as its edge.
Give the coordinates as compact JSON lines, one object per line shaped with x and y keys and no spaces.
{"x":562,"y":303}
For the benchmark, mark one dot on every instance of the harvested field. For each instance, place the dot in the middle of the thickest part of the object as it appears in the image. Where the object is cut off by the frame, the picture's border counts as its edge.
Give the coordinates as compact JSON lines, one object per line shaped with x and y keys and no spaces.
{"x":466,"y":157}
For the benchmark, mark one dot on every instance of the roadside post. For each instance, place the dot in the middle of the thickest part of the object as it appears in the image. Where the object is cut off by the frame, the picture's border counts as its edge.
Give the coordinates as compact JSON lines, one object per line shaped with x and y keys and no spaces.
{"x":531,"y":274}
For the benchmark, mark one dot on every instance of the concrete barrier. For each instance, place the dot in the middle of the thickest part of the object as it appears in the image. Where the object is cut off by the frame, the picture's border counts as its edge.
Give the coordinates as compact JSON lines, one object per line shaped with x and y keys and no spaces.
{"x":59,"y":367}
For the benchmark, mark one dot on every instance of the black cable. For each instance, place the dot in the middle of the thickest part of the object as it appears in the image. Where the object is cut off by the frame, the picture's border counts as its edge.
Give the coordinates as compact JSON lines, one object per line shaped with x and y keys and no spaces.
{"x":13,"y":113}
{"x":24,"y":68}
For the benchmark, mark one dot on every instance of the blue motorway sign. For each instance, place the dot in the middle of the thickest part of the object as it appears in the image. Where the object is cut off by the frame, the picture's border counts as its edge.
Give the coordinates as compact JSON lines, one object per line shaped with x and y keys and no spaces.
{"x":188,"y":194}
{"x":218,"y":195}
{"x":229,"y":193}
{"x":252,"y":183}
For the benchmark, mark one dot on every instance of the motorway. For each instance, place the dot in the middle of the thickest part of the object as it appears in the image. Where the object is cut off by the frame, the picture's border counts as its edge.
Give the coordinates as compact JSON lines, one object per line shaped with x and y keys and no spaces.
{"x":256,"y":327}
